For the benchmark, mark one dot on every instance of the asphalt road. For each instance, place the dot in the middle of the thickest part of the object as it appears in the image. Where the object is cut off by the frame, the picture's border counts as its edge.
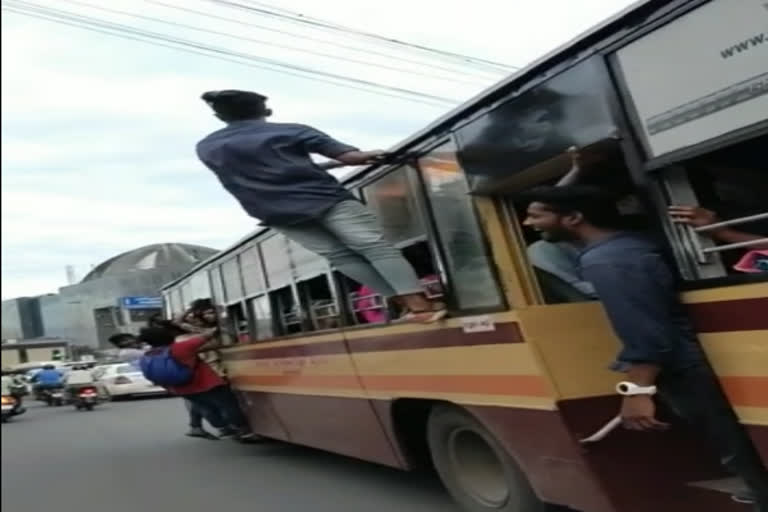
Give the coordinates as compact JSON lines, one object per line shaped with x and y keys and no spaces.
{"x":133,"y":457}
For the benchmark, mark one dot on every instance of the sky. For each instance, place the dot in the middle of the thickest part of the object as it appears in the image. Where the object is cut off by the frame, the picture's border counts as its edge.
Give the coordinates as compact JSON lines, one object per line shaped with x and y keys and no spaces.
{"x":98,"y":133}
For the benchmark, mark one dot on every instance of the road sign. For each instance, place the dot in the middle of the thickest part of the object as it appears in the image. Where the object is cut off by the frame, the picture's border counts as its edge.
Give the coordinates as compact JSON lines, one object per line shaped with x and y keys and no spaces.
{"x":142,"y":302}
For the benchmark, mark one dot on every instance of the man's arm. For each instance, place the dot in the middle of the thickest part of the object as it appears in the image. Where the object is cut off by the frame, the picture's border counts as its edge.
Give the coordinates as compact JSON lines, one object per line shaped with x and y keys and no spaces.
{"x":637,"y":296}
{"x":318,"y":142}
{"x":186,"y":350}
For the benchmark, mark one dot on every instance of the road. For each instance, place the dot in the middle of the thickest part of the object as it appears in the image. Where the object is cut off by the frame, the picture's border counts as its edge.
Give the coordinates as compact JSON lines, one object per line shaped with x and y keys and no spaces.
{"x":133,"y":456}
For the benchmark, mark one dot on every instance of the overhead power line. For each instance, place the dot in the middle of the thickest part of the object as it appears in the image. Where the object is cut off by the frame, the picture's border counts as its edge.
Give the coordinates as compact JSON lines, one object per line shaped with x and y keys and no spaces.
{"x":269,"y":10}
{"x":268,"y":43}
{"x":217,"y":57}
{"x":126,"y":29}
{"x":367,"y":51}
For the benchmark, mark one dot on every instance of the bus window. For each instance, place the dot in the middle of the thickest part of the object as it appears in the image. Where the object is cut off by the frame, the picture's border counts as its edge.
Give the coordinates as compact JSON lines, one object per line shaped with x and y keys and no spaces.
{"x":253,"y":274}
{"x":723,"y":228}
{"x":199,"y":287}
{"x":472,"y":279}
{"x":394,"y":199}
{"x":287,"y":311}
{"x":276,"y":265}
{"x":394,"y":202}
{"x":233,"y":283}
{"x":238,"y":322}
{"x":319,"y":302}
{"x":217,"y":287}
{"x":556,"y":264}
{"x":261,"y":318}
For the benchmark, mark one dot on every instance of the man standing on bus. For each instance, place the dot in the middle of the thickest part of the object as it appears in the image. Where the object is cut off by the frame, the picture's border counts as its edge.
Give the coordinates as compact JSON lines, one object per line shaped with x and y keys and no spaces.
{"x":660,"y":353}
{"x":267,"y":167}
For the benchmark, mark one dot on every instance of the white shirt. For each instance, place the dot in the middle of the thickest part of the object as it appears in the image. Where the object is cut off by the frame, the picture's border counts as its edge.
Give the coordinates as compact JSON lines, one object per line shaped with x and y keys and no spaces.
{"x":80,"y":377}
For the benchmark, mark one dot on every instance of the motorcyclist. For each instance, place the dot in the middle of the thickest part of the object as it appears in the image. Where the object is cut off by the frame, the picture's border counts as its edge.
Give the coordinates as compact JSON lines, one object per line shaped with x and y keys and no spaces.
{"x":48,"y":378}
{"x":81,"y":377}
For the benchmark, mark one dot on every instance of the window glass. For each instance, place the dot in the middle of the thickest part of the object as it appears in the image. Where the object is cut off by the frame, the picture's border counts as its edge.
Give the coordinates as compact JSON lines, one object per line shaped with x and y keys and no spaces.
{"x":186,"y":293}
{"x":305,"y":263}
{"x":472,"y":279}
{"x":261,"y":315}
{"x":177,"y":301}
{"x":393,"y":201}
{"x":253,"y":274}
{"x":217,"y":287}
{"x":277,"y":266}
{"x":199,"y":287}
{"x":167,"y":307}
{"x":126,"y":368}
{"x":233,"y":285}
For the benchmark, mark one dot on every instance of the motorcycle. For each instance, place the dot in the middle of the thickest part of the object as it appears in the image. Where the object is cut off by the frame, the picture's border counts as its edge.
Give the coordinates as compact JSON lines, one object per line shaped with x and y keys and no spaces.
{"x":53,"y":396}
{"x":86,"y":398}
{"x":10,"y":407}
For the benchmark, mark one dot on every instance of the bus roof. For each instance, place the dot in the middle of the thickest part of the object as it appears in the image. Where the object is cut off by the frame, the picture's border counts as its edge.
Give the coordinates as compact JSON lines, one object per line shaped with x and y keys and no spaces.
{"x":628,"y":20}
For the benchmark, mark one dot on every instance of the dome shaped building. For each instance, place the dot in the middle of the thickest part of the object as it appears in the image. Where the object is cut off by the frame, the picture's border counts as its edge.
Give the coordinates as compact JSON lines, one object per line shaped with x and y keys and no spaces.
{"x":117,"y":295}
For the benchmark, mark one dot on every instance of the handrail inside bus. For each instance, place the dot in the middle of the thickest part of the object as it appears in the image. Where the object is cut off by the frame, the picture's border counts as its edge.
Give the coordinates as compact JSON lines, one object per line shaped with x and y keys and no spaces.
{"x":732,"y":222}
{"x":737,"y":245}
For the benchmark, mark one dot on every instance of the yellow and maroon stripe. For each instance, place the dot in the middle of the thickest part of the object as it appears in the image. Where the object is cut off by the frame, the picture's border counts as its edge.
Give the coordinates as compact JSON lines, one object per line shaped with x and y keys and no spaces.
{"x":400,"y":361}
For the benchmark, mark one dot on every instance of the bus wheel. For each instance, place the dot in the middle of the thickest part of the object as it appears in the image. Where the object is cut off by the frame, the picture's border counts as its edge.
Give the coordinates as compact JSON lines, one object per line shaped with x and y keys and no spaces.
{"x":477,"y":471}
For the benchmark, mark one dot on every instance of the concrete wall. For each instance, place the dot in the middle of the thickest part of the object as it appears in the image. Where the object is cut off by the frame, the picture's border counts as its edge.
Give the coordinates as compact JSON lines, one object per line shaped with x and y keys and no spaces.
{"x":21,"y":319}
{"x":11,"y":320}
{"x":10,"y":357}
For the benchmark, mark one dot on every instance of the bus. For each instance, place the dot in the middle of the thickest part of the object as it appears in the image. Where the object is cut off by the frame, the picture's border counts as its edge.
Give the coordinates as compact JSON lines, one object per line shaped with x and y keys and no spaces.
{"x":507,"y":398}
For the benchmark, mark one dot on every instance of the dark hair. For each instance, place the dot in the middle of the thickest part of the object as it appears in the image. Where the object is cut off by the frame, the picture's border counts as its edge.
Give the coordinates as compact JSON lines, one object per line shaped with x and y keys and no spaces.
{"x":157,"y":336}
{"x":200,"y":305}
{"x":158,"y":321}
{"x":233,"y":105}
{"x":119,"y":338}
{"x":596,"y":206}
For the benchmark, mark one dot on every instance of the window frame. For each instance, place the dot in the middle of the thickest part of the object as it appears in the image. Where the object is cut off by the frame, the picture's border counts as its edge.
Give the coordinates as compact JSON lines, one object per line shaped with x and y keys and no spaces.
{"x":437,"y":246}
{"x":672,"y":185}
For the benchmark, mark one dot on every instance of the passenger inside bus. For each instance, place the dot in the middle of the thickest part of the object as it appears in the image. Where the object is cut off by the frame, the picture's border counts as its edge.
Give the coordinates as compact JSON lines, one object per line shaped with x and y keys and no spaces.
{"x":755,"y":257}
{"x":660,"y":352}
{"x":556,"y":263}
{"x":370,"y":308}
{"x":731,"y":185}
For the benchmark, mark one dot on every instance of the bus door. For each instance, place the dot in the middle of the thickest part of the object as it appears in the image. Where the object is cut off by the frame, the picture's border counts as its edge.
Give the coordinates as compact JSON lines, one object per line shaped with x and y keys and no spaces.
{"x":565,"y":321}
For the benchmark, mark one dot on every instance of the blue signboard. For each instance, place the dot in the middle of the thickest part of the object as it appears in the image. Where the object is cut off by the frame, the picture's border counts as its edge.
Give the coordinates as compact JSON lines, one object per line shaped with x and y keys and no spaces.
{"x":142,"y":302}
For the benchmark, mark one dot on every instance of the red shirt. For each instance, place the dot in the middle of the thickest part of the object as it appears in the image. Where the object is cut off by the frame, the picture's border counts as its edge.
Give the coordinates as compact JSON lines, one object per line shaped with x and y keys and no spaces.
{"x":203,"y":378}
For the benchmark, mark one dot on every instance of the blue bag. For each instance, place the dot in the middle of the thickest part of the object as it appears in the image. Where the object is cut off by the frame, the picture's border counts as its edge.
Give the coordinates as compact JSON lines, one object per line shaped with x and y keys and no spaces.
{"x":160,"y":368}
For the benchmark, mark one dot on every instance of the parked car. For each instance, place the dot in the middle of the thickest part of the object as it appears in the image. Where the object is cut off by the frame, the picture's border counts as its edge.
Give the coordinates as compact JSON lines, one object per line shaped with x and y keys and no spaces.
{"x":125,"y":380}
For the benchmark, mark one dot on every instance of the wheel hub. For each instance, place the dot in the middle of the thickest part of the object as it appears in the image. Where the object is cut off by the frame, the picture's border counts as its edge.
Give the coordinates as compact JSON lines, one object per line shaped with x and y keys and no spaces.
{"x":479,"y":470}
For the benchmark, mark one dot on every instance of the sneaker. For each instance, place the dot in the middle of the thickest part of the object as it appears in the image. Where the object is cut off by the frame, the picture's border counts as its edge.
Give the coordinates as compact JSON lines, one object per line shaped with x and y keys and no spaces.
{"x":201,"y":433}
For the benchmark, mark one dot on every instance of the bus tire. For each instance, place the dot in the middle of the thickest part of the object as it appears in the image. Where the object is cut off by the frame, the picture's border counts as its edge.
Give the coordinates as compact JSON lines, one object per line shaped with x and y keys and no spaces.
{"x":474,"y":467}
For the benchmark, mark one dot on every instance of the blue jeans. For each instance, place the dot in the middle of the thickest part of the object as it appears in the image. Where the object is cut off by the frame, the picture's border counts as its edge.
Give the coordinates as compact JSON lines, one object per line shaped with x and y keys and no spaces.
{"x":197,"y":413}
{"x":222,"y":401}
{"x":695,"y":395}
{"x":350,"y":238}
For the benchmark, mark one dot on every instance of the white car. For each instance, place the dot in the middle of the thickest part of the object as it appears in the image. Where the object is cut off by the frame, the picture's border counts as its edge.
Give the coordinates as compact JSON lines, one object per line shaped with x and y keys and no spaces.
{"x":125,"y":380}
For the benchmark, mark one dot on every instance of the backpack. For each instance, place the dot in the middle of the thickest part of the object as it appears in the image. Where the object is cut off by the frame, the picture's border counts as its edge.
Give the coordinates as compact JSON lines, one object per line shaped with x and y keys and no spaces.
{"x":160,"y":368}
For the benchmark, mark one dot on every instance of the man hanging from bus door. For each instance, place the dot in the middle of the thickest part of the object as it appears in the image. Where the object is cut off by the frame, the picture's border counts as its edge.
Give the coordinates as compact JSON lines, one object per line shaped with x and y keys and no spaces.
{"x":661,"y":353}
{"x":267,"y":167}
